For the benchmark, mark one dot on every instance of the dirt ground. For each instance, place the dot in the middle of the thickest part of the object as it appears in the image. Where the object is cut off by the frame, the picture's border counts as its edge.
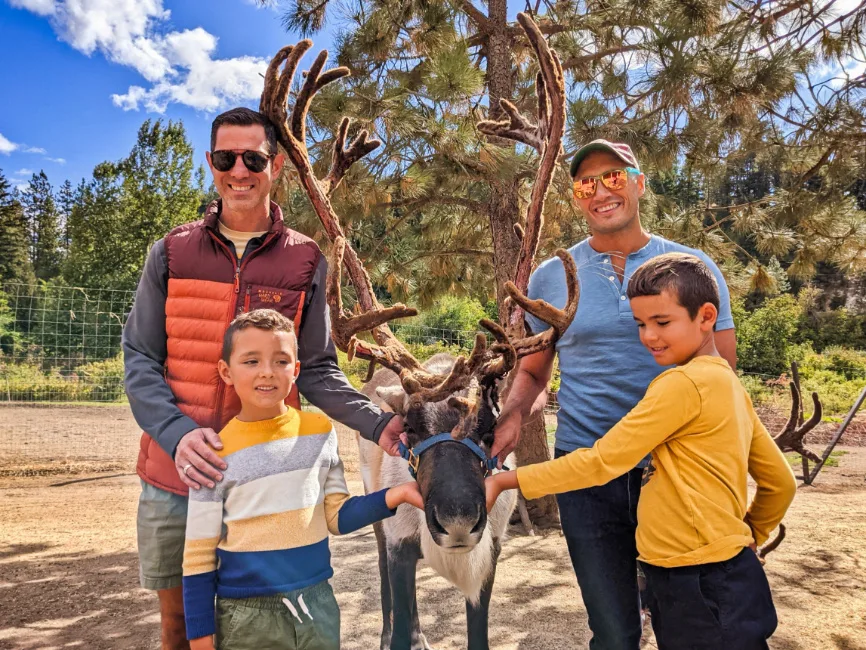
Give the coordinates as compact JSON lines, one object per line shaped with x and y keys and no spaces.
{"x":69,"y":577}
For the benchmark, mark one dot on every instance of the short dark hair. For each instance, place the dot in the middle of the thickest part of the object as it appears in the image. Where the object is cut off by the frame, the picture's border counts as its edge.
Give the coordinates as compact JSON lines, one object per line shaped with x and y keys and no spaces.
{"x":244,"y":117}
{"x":684,"y":275}
{"x":267,"y":320}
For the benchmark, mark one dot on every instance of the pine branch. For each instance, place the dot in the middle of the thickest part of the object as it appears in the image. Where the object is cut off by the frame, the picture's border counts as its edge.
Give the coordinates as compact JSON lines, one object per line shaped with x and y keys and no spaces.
{"x":457,"y":252}
{"x":482,"y":22}
{"x":577,"y":61}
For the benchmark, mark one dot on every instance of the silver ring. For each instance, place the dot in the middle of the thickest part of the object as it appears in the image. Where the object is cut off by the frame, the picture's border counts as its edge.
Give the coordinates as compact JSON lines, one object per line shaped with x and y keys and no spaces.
{"x":186,"y":469}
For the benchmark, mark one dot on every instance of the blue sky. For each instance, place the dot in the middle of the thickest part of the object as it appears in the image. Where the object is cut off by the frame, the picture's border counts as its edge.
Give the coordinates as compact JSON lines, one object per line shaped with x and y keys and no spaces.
{"x":80,"y":76}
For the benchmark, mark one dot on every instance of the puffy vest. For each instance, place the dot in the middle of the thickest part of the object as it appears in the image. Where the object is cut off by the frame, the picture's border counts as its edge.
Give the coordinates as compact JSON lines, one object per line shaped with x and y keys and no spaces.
{"x":207,"y":288}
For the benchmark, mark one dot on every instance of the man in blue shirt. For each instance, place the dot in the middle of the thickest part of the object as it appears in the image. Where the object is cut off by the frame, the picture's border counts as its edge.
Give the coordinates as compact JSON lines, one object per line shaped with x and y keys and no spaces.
{"x":605,"y":371}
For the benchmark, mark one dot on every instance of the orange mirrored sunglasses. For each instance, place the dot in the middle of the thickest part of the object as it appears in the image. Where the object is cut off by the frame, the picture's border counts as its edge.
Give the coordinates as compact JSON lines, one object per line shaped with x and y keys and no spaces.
{"x":615,"y":179}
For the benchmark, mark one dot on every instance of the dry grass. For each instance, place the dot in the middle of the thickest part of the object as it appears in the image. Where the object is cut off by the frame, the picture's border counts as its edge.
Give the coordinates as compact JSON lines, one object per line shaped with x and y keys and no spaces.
{"x":69,"y":577}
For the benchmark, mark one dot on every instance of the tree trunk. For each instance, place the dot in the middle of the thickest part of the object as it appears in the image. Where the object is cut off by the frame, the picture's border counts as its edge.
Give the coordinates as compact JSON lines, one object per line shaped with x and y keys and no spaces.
{"x":503,"y":212}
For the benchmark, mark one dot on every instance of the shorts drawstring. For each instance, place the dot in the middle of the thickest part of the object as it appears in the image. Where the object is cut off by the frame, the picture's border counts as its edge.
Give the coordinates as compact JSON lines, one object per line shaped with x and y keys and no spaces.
{"x":304,"y":607}
{"x":294,"y":610}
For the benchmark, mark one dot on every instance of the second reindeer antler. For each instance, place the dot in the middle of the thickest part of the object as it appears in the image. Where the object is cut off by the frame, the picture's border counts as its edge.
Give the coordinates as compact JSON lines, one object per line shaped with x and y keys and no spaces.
{"x":791,"y":437}
{"x":546,"y":137}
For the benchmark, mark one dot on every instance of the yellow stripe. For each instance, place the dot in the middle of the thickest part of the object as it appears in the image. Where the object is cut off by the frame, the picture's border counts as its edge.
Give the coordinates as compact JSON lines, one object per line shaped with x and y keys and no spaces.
{"x":333,"y":503}
{"x":239,"y":435}
{"x":199,"y":556}
{"x":277,"y":532}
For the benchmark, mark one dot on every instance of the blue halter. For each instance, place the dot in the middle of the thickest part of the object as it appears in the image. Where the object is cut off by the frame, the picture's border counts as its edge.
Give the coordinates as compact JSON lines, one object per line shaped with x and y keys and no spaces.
{"x":413,"y":455}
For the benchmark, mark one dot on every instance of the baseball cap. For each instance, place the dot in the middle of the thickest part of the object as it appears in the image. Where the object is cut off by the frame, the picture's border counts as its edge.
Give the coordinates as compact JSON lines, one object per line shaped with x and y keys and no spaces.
{"x":619,"y":149}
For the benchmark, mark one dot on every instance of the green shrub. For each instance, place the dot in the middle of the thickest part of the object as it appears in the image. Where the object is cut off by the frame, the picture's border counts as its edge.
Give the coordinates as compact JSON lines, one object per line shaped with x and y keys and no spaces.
{"x":104,"y":379}
{"x":100,"y":381}
{"x":837,"y":394}
{"x":765,"y":336}
{"x":851,"y":364}
{"x":833,"y":328}
{"x":453,"y":313}
{"x":758,"y":389}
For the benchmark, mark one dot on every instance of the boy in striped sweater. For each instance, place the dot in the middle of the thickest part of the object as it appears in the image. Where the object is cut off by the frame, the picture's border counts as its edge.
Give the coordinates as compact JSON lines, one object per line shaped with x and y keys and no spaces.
{"x":256,"y":561}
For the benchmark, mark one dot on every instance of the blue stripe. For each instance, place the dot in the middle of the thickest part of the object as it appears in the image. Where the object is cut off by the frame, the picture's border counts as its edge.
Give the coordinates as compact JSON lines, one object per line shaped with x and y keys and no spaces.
{"x":258,"y":573}
{"x":198,"y":604}
{"x":358,"y":512}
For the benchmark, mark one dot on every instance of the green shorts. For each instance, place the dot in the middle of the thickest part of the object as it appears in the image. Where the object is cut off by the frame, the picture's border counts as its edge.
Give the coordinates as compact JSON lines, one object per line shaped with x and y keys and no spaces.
{"x":304,"y":619}
{"x":161,"y":529}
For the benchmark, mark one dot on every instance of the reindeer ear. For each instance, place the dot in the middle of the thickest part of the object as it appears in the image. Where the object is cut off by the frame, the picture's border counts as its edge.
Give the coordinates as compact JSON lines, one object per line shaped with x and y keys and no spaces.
{"x":394,"y":397}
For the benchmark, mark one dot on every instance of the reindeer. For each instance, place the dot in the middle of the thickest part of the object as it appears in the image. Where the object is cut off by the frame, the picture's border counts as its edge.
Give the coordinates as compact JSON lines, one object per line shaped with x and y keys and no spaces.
{"x":450,"y":405}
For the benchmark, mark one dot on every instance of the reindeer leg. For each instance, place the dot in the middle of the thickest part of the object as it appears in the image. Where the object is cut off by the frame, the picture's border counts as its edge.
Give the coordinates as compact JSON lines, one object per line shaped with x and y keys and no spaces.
{"x":384,"y":586}
{"x":419,"y":641}
{"x":402,"y":564}
{"x":477,"y":615}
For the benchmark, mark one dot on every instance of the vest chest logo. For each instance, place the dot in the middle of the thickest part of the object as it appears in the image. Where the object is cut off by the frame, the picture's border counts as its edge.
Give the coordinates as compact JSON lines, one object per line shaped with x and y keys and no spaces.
{"x":269,"y":297}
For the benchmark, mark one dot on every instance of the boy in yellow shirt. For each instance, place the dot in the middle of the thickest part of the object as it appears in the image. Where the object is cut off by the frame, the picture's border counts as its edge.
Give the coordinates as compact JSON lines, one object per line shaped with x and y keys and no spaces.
{"x":695,"y":537}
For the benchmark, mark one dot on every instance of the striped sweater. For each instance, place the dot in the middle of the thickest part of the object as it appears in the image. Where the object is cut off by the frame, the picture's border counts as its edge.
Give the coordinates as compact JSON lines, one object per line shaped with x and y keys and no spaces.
{"x":264,"y":528}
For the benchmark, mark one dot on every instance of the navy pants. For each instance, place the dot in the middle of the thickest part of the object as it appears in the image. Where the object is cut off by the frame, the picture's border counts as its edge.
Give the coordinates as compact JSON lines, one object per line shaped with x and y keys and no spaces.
{"x":599,"y":527}
{"x":718,"y":606}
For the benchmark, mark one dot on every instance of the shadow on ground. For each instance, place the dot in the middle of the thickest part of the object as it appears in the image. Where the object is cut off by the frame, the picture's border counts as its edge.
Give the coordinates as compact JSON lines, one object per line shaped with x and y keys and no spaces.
{"x":73,"y":599}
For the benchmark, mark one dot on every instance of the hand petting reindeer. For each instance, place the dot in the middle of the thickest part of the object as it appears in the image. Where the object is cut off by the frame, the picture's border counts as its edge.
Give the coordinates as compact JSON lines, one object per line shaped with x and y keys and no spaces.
{"x":450,"y":405}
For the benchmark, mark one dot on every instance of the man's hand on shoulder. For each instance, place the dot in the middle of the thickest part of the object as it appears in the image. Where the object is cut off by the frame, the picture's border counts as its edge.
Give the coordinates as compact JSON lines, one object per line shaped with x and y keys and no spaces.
{"x":391,"y":436}
{"x":195,"y":460}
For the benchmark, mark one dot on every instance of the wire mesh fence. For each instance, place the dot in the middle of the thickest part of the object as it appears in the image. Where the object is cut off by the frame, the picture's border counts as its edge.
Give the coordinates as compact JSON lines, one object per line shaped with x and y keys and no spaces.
{"x":62,"y":401}
{"x":61,"y":377}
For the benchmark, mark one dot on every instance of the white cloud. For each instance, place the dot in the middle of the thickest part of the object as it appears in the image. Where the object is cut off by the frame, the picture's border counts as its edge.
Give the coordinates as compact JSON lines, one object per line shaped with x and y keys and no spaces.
{"x":207,"y":84}
{"x":179,"y":65}
{"x":24,"y":172}
{"x":22,"y":187}
{"x":59,"y":161}
{"x":7,"y":146}
{"x":41,"y":7}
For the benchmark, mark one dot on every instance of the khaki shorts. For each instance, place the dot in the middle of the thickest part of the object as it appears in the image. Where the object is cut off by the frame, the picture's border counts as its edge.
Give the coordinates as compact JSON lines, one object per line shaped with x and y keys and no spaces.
{"x":304,"y":619}
{"x":161,"y":528}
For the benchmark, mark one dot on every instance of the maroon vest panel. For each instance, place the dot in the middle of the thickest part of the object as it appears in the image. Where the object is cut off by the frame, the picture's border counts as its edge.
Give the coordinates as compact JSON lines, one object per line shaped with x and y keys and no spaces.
{"x":207,"y":288}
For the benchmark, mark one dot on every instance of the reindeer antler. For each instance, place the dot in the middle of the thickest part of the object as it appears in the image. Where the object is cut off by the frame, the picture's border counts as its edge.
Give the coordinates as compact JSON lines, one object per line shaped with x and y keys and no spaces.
{"x":291,"y":133}
{"x":485,"y":363}
{"x":791,"y":437}
{"x":546,"y":137}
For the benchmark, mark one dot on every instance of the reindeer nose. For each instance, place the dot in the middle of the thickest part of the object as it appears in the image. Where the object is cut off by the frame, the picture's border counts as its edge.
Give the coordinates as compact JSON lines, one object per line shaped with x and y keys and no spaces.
{"x":460,"y":528}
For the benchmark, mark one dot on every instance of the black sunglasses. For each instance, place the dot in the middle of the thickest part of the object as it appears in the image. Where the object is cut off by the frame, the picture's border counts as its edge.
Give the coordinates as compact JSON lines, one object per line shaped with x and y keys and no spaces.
{"x":255,"y":161}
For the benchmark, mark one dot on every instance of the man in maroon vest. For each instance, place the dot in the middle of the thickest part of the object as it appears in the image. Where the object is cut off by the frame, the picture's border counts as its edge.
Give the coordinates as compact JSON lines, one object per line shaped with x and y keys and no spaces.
{"x":241,"y":256}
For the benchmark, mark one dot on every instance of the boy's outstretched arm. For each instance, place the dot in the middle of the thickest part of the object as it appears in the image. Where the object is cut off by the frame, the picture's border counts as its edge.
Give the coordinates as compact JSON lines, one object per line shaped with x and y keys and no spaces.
{"x":776,"y":483}
{"x":671,"y":402}
{"x":345,"y":513}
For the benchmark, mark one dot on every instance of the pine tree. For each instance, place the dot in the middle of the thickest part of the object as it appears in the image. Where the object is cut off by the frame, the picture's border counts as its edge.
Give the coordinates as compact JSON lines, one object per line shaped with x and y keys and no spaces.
{"x":14,"y":241}
{"x":129,"y":204}
{"x":65,"y":204}
{"x":40,"y":212}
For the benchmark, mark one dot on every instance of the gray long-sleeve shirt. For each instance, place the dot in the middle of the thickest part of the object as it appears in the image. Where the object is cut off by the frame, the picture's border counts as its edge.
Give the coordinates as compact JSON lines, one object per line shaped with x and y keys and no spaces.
{"x":153,"y":404}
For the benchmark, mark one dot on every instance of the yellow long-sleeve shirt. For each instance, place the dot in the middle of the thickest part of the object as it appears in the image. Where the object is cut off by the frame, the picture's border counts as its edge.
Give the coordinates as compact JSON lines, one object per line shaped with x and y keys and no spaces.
{"x":704,"y":435}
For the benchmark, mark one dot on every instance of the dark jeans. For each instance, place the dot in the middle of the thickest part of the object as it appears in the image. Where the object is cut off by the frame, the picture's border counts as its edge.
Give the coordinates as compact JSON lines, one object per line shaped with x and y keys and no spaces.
{"x":718,"y":606}
{"x":599,"y":526}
